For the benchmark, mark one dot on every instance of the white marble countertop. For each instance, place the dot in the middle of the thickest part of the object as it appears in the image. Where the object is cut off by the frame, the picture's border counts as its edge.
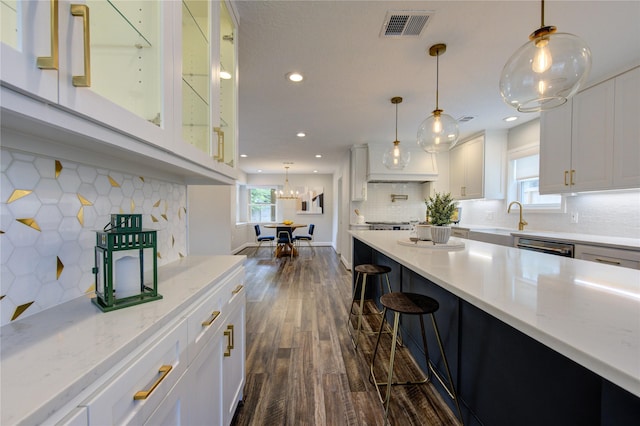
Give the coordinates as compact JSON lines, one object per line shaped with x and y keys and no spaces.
{"x":584,"y":310}
{"x":590,"y":239}
{"x":50,"y":357}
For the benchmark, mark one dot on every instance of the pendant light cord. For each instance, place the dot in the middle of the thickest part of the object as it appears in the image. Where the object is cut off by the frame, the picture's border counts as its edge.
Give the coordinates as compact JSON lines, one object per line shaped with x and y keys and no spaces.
{"x":396,"y":121}
{"x":542,"y":14}
{"x":437,"y":76}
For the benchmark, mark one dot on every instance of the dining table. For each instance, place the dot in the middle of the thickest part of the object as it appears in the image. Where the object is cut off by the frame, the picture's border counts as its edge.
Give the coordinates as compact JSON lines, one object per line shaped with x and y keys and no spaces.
{"x":285,"y":249}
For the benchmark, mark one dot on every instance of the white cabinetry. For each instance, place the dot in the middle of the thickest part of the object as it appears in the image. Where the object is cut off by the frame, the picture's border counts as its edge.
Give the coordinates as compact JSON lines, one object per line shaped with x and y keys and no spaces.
{"x":105,"y":76}
{"x":422,"y":165}
{"x":477,"y":167}
{"x":608,"y":256}
{"x":359,"y":173}
{"x":132,"y":395}
{"x":591,"y":142}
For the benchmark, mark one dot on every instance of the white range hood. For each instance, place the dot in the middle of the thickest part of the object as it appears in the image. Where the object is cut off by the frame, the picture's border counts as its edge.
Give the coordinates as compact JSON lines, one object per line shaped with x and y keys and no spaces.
{"x":422,"y":166}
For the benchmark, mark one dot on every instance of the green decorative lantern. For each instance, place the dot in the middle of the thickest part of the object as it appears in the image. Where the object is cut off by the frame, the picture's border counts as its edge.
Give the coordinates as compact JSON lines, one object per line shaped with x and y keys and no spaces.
{"x":121,"y":250}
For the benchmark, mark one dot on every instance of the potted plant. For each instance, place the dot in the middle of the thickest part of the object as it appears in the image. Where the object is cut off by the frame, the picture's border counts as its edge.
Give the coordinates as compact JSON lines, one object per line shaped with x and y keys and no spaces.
{"x":440,"y":209}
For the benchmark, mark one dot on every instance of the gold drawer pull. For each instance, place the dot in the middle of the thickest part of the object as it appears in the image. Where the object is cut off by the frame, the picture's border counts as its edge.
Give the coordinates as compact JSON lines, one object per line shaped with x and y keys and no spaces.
{"x":211,"y":319}
{"x":611,"y":262}
{"x":237,"y":289}
{"x":82,"y":10}
{"x":145,"y":393}
{"x":51,"y":62}
{"x":229,"y":333}
{"x":573,"y":172}
{"x":566,"y":173}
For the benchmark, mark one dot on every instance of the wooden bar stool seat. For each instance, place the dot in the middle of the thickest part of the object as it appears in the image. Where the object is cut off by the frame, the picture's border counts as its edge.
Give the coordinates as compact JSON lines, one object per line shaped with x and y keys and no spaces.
{"x":410,"y":304}
{"x":363,"y":271}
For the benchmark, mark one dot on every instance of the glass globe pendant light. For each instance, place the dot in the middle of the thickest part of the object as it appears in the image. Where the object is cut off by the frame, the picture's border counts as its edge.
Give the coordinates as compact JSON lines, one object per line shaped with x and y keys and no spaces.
{"x":438,"y":132}
{"x":546,"y":71}
{"x":396,"y":158}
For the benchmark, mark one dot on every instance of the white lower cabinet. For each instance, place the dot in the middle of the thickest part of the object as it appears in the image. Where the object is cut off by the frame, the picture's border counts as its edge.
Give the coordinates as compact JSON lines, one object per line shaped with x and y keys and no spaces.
{"x":233,"y":360}
{"x":608,"y":256}
{"x":135,"y":392}
{"x":192,"y":372}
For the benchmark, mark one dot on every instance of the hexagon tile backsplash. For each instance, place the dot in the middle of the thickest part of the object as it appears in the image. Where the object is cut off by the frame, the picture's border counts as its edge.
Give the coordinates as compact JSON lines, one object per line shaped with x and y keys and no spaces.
{"x":50,"y":211}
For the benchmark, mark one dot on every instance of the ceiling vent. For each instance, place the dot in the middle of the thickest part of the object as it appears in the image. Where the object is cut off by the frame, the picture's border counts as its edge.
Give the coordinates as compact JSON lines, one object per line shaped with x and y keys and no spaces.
{"x":405,"y":23}
{"x":465,"y":118}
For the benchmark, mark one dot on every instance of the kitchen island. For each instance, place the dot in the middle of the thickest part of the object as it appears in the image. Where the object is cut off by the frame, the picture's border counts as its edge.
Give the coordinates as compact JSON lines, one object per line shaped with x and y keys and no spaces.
{"x":531,"y":338}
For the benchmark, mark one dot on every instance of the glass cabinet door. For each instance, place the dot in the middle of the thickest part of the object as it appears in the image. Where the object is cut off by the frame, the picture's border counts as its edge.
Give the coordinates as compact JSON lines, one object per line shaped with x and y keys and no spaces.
{"x":126,"y":52}
{"x":29,"y":47}
{"x":228,"y":74}
{"x":196,"y":74}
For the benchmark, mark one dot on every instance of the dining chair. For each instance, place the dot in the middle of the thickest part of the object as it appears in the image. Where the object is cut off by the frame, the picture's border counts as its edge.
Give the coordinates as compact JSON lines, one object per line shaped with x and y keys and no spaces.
{"x":308,"y":238}
{"x":261,"y":240}
{"x":285,"y":238}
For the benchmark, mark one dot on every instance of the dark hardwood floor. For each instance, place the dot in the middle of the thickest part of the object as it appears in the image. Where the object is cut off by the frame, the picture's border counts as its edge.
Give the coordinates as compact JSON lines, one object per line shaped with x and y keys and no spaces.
{"x":302,"y":368}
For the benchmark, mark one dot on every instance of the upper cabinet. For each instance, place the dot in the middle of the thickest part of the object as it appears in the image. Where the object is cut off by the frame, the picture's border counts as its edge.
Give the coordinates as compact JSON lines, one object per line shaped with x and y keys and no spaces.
{"x":477,"y":167}
{"x":592,"y":142}
{"x":422,"y":166}
{"x":146,"y":70}
{"x":104,"y":60}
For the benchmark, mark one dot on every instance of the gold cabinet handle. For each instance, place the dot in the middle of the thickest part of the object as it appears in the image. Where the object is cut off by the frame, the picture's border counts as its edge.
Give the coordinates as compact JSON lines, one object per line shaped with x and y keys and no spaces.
{"x":566,"y":173}
{"x":211,"y":319}
{"x":82,"y":10}
{"x":237,"y":289}
{"x":51,"y":62}
{"x":144,"y":394}
{"x":573,"y":172}
{"x":610,"y":262}
{"x":229,"y":333}
{"x":220,"y":148}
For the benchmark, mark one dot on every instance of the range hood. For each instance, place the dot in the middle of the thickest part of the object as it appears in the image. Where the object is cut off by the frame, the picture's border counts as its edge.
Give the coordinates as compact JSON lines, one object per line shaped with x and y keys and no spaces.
{"x":422,"y":167}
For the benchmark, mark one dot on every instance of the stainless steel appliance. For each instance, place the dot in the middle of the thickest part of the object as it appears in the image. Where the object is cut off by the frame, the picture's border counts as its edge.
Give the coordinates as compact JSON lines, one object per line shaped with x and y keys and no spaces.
{"x":545,"y":246}
{"x":390,"y":226}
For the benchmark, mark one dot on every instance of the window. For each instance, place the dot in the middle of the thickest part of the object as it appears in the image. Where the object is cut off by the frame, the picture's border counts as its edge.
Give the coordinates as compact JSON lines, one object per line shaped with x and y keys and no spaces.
{"x":523,"y":181}
{"x":262,"y":204}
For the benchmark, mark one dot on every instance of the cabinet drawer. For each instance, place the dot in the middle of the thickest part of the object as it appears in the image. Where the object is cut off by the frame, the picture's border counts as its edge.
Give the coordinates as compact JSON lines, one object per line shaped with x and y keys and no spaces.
{"x":608,"y":256}
{"x":208,"y":316}
{"x":136,"y":391}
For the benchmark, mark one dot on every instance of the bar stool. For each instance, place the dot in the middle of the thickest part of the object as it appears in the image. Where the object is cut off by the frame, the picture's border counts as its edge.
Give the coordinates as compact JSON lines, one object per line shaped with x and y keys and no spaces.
{"x":364,"y":271}
{"x":410,"y":304}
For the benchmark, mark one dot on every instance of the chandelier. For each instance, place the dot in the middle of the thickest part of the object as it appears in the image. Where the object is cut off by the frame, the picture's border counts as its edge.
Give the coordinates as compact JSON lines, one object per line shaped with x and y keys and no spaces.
{"x":286,"y":193}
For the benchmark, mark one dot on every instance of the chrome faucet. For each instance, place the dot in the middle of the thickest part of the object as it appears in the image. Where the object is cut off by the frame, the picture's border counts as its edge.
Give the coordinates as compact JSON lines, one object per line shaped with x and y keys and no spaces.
{"x":522,"y":222}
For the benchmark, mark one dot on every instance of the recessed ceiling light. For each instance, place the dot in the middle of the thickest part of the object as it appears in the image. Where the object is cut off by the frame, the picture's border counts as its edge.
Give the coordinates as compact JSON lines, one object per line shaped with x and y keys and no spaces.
{"x":296,"y":77}
{"x":301,"y":134}
{"x":315,"y":171}
{"x":259,"y":170}
{"x":511,"y":118}
{"x":318,"y":156}
{"x":243,"y":155}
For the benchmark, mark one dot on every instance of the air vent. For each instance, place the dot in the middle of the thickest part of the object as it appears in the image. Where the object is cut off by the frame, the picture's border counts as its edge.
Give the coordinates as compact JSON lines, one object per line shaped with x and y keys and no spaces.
{"x":405,"y":23}
{"x":465,"y":118}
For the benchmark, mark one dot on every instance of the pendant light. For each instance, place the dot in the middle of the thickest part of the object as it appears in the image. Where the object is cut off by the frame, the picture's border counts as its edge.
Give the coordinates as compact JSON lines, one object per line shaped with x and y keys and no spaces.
{"x":438,"y":132}
{"x":286,"y":193}
{"x":396,"y":158}
{"x":545,"y":71}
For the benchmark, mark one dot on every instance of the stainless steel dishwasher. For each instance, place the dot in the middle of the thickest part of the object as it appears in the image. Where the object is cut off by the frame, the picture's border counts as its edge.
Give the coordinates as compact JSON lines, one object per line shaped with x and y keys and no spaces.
{"x":545,"y":246}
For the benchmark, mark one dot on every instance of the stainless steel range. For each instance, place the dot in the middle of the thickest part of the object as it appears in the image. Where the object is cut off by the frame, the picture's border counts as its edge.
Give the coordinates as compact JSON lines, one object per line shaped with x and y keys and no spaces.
{"x":390,"y":226}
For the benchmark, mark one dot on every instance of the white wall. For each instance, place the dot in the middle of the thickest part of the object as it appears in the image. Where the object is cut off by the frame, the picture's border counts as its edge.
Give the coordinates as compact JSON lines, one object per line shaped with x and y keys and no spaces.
{"x":209,"y":209}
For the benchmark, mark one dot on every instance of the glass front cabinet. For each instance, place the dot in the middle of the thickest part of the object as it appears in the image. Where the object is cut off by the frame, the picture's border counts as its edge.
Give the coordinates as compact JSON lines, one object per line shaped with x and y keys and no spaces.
{"x":147,"y":69}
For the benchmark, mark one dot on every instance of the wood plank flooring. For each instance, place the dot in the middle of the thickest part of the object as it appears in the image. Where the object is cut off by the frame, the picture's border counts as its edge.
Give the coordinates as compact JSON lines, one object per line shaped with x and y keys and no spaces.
{"x":301,"y":366}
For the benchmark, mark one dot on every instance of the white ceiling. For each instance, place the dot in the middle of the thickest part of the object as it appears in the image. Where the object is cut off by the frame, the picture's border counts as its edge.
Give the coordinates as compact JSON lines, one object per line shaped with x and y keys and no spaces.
{"x":351,"y":73}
